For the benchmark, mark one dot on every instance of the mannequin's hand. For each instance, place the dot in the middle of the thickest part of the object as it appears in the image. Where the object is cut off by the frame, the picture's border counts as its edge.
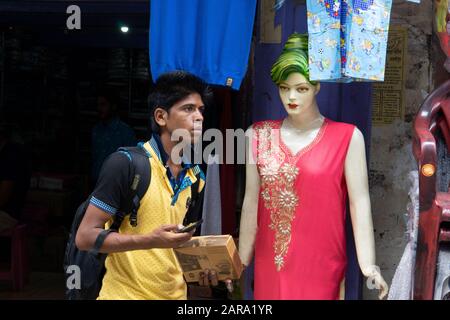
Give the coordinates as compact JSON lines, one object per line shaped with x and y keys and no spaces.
{"x":375,"y":281}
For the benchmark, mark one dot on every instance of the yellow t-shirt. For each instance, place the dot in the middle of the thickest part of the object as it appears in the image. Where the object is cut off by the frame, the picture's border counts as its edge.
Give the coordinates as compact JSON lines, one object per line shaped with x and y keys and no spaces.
{"x":153,"y":273}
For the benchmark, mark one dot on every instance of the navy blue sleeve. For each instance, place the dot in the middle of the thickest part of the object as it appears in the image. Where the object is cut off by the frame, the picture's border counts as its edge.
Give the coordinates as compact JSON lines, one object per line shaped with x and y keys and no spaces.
{"x":113,"y":183}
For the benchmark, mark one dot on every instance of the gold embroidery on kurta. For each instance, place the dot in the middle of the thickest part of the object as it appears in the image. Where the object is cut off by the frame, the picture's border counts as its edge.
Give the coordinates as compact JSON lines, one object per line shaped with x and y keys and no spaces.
{"x":278,"y":172}
{"x":277,"y":189}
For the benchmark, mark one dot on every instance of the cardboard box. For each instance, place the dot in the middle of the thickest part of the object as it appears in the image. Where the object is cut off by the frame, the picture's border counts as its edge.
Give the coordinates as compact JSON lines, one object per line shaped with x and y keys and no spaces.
{"x":217,"y":253}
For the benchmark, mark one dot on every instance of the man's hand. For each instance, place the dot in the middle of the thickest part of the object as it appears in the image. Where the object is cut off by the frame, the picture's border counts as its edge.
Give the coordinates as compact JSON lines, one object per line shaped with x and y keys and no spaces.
{"x":166,"y":237}
{"x":209,"y":278}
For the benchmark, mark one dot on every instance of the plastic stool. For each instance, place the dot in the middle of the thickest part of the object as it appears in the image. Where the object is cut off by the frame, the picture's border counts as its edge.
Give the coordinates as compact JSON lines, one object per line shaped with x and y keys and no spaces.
{"x":18,"y":272}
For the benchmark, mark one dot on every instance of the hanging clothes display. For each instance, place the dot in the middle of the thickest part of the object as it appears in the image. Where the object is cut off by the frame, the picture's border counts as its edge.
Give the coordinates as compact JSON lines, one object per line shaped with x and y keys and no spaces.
{"x":209,"y":38}
{"x":402,"y":282}
{"x":212,"y":204}
{"x":348,"y":39}
{"x":227,"y":175}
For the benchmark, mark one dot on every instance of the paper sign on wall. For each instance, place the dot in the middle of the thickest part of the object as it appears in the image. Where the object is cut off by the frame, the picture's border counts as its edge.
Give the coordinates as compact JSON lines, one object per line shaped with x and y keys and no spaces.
{"x":388,"y":97}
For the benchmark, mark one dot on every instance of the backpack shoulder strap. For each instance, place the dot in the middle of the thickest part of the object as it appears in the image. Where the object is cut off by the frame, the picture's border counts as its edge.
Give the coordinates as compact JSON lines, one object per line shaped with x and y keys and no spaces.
{"x":194,"y":212}
{"x":139,"y":158}
{"x":99,"y":241}
{"x":139,"y":181}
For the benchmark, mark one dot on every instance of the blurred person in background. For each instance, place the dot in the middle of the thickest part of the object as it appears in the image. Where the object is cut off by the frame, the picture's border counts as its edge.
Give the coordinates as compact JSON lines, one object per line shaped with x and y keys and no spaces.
{"x":110,"y":133}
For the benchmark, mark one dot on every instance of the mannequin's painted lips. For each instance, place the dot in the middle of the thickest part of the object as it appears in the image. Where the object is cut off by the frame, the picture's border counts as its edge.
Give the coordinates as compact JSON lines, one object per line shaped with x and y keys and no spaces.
{"x":292,"y":106}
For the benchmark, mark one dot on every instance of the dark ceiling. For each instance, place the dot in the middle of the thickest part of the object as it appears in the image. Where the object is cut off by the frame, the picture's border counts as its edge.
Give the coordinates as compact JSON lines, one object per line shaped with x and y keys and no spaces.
{"x":100,"y":22}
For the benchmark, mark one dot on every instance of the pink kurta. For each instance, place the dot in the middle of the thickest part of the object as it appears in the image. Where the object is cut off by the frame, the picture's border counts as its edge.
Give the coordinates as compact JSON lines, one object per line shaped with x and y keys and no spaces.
{"x":300,"y":249}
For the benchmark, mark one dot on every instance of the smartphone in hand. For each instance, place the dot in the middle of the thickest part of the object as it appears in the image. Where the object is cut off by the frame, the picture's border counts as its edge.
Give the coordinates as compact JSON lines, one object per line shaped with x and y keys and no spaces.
{"x":190,"y":226}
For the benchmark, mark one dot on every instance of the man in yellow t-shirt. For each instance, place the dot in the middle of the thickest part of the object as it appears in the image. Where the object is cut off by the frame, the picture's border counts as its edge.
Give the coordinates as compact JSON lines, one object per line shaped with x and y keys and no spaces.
{"x":141,"y":263}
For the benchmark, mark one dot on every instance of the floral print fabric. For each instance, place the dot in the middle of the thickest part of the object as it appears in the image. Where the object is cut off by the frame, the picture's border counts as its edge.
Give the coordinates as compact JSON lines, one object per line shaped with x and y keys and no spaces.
{"x":348,"y":39}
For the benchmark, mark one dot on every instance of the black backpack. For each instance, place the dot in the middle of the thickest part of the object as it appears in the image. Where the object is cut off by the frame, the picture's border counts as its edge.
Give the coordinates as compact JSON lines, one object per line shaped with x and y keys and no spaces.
{"x":84,"y":270}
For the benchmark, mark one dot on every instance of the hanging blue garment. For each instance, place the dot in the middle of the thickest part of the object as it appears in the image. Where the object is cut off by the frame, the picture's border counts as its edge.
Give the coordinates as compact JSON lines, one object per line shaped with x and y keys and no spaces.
{"x":209,"y":38}
{"x":324,"y":47}
{"x":348,"y":39}
{"x":212,"y":208}
{"x":366,"y":38}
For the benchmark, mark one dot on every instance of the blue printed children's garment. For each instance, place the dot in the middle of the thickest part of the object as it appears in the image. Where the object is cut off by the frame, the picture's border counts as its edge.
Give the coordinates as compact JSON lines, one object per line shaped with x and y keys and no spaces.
{"x":348,"y":39}
{"x":324,"y":39}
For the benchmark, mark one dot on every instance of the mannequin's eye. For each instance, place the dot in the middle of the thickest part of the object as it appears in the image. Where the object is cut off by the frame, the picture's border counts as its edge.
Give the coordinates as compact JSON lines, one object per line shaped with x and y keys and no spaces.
{"x":283,"y":88}
{"x":302,"y":89}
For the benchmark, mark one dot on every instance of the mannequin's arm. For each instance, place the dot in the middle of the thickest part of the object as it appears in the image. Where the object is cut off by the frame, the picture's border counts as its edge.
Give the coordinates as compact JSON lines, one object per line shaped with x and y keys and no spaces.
{"x":360,"y":211}
{"x":248,"y":226}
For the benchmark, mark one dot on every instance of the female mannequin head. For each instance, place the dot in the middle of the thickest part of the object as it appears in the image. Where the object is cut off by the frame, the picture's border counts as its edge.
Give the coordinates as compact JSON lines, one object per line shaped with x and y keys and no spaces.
{"x":291,"y":74}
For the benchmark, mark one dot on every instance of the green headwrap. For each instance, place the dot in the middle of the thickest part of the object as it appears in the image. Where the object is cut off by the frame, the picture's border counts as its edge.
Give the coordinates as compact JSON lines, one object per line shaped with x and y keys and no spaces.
{"x":293,"y":58}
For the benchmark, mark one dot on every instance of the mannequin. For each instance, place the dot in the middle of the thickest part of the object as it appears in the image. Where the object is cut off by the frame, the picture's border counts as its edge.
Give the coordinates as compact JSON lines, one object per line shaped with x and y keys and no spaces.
{"x":299,"y":173}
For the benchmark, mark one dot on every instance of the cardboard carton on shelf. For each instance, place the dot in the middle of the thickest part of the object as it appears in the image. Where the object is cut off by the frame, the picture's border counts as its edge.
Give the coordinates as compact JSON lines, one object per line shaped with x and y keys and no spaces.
{"x":217,"y":253}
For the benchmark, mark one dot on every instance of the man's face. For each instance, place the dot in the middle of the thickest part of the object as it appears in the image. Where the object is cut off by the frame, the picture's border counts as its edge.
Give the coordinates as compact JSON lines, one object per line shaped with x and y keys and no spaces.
{"x":186,"y":114}
{"x":104,"y":108}
{"x":297,"y":94}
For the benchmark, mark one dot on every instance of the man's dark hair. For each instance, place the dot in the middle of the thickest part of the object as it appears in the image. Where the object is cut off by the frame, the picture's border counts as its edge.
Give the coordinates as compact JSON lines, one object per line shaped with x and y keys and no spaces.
{"x":172,"y":87}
